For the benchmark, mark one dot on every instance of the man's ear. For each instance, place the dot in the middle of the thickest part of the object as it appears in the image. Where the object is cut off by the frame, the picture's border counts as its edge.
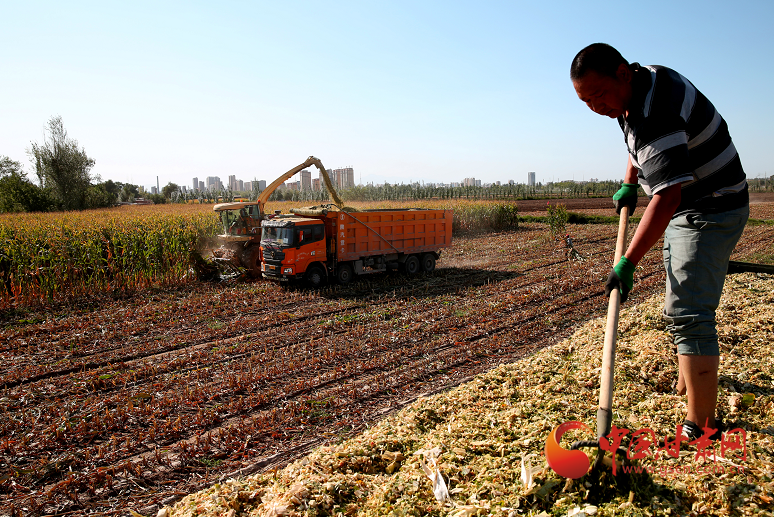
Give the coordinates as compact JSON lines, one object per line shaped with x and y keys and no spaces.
{"x":623,"y":73}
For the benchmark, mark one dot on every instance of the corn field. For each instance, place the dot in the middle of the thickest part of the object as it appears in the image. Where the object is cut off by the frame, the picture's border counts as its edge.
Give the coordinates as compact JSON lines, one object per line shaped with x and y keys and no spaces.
{"x":54,"y":257}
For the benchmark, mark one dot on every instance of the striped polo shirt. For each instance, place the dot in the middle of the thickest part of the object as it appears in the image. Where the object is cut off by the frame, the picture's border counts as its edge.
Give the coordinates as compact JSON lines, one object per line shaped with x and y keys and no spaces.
{"x":675,"y":135}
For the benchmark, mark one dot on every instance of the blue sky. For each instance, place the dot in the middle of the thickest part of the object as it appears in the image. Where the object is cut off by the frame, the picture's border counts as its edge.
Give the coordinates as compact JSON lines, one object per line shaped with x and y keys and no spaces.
{"x":401,"y":91}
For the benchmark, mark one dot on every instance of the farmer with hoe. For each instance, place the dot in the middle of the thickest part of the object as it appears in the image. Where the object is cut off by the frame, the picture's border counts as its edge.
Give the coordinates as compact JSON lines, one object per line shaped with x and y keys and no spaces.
{"x":681,"y":152}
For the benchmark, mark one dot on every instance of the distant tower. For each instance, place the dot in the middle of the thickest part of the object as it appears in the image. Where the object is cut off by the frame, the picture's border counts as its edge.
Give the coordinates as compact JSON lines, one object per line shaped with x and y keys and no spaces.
{"x":531,"y":179}
{"x":306,"y":179}
{"x":157,"y":184}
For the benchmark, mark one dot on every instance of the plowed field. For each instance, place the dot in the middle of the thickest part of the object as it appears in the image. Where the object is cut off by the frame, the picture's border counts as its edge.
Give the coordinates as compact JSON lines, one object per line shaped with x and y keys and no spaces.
{"x":130,"y":403}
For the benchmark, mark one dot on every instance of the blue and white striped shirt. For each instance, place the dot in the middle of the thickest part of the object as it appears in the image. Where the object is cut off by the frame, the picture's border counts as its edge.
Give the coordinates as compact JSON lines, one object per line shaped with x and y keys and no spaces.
{"x":676,"y":136}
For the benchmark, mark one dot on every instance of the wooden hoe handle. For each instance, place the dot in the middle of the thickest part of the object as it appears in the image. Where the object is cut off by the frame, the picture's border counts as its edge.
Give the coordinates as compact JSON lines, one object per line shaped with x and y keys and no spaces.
{"x":605,"y":412}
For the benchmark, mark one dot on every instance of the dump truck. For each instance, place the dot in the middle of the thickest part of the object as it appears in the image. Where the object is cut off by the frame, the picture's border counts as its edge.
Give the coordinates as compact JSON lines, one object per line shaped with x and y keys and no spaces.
{"x":242,"y":221}
{"x":323,"y":242}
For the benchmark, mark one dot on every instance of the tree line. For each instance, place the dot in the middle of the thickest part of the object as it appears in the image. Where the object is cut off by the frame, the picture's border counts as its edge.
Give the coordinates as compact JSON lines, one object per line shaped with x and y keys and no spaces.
{"x":63,"y":171}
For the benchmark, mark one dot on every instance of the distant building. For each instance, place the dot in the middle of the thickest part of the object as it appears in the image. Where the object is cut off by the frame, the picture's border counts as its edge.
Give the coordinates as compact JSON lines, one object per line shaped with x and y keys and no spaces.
{"x":232,"y":182}
{"x":469,"y":182}
{"x":531,"y":179}
{"x":154,"y":190}
{"x":316,"y":184}
{"x":342,"y":178}
{"x":306,"y":179}
{"x":240,"y":186}
{"x":213,"y":183}
{"x":201,"y":185}
{"x":248,"y":185}
{"x":195,"y":183}
{"x":261,"y":185}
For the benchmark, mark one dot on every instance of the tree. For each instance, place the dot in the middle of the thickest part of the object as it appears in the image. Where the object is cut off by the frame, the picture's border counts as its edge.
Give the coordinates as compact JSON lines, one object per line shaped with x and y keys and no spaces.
{"x":99,"y":196}
{"x":168,"y":189}
{"x":62,"y":166}
{"x":112,"y":188}
{"x":17,"y":193}
{"x":128,"y":192}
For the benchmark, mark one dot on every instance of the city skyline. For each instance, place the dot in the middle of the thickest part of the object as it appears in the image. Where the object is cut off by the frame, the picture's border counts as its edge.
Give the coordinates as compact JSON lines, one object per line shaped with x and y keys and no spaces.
{"x":315,"y":184}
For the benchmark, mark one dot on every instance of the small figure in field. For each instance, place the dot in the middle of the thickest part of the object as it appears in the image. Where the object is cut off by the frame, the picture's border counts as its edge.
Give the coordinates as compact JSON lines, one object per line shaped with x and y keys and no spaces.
{"x":572,"y":253}
{"x":681,"y":153}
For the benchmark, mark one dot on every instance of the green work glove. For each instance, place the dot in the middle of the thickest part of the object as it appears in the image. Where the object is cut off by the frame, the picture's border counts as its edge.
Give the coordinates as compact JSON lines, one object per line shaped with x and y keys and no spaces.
{"x":626,"y":196}
{"x":621,"y":277}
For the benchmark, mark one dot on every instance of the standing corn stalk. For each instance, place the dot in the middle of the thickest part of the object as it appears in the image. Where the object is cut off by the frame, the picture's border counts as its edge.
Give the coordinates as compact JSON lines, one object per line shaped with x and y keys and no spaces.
{"x":557,"y":220}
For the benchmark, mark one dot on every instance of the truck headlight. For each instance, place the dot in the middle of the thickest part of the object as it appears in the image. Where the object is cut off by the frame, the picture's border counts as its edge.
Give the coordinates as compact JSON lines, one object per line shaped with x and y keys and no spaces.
{"x":288,"y":271}
{"x":263,"y":266}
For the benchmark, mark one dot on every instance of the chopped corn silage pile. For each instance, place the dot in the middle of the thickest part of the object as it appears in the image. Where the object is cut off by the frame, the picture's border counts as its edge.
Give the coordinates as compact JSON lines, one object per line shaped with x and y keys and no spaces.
{"x":478,"y":449}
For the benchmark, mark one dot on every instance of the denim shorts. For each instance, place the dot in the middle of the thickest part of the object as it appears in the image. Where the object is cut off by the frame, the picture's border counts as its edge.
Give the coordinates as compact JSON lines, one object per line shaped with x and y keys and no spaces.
{"x":697,"y":248}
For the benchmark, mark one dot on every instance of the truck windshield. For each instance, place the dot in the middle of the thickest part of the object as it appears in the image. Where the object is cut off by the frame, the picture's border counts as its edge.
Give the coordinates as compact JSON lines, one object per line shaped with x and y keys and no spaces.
{"x":238,"y":222}
{"x":279,"y":236}
{"x":228,"y":218}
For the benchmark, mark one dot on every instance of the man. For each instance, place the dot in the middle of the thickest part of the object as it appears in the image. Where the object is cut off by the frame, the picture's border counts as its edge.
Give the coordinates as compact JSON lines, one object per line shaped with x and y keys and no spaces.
{"x":681,"y":153}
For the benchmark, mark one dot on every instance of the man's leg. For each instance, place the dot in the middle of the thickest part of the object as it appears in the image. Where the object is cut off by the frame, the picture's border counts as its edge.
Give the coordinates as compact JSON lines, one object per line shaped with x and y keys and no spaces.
{"x":701,"y":384}
{"x":696,"y":253}
{"x":680,"y":381}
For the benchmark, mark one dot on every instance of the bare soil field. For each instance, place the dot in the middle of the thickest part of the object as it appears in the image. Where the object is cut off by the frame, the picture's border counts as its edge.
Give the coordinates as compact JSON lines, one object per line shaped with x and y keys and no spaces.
{"x":761,"y":205}
{"x":131,"y":403}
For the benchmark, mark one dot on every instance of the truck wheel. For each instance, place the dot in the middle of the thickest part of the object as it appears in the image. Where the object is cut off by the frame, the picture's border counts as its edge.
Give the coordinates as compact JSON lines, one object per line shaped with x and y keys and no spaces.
{"x":411,"y":266}
{"x":251,"y":260}
{"x":428,"y":262}
{"x":316,"y":276}
{"x":344,"y":274}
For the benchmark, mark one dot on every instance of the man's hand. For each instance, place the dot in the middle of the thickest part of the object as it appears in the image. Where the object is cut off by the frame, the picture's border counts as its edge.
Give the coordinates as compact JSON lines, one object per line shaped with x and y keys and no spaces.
{"x":626,"y":196}
{"x":621,"y":277}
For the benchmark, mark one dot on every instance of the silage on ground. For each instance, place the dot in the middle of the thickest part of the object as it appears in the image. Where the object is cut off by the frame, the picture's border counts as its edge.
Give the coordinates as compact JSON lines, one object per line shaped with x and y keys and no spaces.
{"x":491,"y":433}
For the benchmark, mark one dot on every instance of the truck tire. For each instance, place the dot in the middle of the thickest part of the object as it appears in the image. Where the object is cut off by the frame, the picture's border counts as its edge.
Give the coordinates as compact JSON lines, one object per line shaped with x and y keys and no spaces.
{"x":251,"y":260}
{"x":344,"y":274}
{"x":428,"y":262}
{"x":316,"y":276}
{"x":411,"y":266}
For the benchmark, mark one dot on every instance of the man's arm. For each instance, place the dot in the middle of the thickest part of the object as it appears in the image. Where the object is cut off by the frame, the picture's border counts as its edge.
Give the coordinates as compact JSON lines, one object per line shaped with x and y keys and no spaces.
{"x":654,"y":221}
{"x":631,"y":171}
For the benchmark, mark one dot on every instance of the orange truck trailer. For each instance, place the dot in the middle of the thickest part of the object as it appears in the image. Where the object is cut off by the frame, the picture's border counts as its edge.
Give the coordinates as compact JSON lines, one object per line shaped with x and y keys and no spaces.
{"x":323,"y":242}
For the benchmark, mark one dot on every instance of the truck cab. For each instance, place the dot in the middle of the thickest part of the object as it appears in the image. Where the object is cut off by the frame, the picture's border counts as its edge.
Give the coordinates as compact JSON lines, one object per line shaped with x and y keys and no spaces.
{"x":294,"y":248}
{"x":241,"y":222}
